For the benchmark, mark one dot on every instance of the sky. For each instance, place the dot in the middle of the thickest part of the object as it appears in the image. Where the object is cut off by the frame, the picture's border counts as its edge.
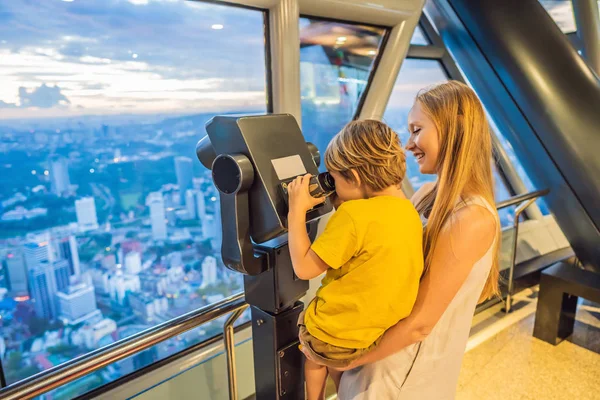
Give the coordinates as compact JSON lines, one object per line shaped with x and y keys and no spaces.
{"x":65,"y":58}
{"x":95,"y":57}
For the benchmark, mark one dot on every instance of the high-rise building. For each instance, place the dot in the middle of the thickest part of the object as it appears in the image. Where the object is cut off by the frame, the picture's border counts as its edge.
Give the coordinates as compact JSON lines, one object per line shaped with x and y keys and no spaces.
{"x":45,"y":280}
{"x":77,"y":303}
{"x":87,"y":219}
{"x":67,"y":250}
{"x":133,"y":263}
{"x":184,"y":171}
{"x":209,"y":271}
{"x":38,"y":251}
{"x":190,"y":202}
{"x":15,"y":272}
{"x":157,"y":215}
{"x":200,"y":206}
{"x":59,"y":175}
{"x":62,"y":273}
{"x":218,"y":226}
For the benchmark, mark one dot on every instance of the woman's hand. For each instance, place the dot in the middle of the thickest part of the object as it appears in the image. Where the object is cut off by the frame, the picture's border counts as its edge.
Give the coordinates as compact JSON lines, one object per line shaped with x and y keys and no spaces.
{"x":300,"y":200}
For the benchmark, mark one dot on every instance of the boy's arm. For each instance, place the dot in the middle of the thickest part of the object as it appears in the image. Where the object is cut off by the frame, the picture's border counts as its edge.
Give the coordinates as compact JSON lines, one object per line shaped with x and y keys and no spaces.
{"x":306,"y":263}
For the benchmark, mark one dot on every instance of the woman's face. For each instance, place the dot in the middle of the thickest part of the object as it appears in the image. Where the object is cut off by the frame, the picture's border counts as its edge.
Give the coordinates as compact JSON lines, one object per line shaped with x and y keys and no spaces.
{"x":424,"y":140}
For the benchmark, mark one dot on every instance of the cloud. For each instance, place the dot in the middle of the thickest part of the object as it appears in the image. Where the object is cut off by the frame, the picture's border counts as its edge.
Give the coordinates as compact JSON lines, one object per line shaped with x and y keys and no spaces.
{"x":42,"y":97}
{"x":7,"y":105}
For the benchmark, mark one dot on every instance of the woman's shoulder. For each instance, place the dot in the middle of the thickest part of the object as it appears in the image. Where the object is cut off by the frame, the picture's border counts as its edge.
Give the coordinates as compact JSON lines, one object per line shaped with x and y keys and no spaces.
{"x":471,"y":230}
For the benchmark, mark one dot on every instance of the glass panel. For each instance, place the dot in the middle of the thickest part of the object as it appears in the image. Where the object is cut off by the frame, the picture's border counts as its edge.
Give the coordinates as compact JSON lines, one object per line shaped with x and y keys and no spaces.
{"x":518,"y":166}
{"x":336,"y":60}
{"x":419,"y":37}
{"x":414,"y":75}
{"x":562,"y":12}
{"x":108,"y":223}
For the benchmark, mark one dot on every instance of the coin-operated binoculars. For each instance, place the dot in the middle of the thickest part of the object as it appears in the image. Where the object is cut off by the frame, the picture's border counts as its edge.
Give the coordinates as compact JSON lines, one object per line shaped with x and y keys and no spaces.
{"x":252,"y":158}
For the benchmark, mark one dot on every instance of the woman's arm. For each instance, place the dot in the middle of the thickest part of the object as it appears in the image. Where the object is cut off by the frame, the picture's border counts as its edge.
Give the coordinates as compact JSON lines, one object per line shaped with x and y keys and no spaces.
{"x":459,"y":247}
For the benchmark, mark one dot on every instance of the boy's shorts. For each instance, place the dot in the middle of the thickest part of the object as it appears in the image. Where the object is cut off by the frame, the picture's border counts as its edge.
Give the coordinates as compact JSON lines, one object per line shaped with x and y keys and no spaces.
{"x":328,"y":354}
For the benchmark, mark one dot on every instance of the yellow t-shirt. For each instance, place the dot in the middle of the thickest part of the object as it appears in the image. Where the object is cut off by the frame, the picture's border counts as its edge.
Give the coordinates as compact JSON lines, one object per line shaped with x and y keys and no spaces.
{"x":374,"y":250}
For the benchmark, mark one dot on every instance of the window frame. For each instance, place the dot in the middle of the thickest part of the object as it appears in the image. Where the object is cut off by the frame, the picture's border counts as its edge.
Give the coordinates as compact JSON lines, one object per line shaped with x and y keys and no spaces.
{"x":376,"y":60}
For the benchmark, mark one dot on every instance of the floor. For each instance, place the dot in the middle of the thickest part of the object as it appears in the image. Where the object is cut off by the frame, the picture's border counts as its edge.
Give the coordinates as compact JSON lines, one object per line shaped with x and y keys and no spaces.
{"x":504,"y":360}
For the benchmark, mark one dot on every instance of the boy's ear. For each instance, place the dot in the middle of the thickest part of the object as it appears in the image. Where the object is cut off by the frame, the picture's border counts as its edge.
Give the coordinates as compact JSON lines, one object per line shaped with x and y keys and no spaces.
{"x":357,"y":181}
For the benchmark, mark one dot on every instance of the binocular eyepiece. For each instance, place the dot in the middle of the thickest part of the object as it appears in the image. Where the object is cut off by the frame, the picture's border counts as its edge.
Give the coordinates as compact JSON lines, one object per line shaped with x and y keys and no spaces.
{"x":320,"y":185}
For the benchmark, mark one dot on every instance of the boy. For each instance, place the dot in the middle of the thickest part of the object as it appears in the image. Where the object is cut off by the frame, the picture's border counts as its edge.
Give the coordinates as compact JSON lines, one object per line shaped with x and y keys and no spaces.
{"x":371,"y":250}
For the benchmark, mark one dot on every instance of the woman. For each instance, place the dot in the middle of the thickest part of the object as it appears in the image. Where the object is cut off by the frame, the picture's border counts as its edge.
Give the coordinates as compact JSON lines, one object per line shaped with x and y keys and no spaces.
{"x":420,"y":356}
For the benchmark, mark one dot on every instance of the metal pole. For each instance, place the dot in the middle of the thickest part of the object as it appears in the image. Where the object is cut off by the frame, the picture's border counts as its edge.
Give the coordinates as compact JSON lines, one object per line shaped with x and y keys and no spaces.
{"x":230,"y":351}
{"x":587,"y":19}
{"x":511,"y":275}
{"x":97,"y":359}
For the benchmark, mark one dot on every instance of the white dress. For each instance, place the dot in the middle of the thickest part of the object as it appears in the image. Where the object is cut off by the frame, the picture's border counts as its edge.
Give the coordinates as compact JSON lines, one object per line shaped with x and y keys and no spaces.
{"x":428,"y":370}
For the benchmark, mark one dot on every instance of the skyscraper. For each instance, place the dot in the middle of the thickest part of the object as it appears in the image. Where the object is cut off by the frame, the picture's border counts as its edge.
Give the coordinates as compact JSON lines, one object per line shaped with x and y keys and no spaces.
{"x":200,"y":206}
{"x":59,"y":175}
{"x":37,"y":252}
{"x":15,"y":274}
{"x":190,"y":202}
{"x":184,"y":171}
{"x":209,"y":271}
{"x":218,"y":225}
{"x":85,"y":208}
{"x":62,"y":273}
{"x":67,"y":250}
{"x":157,"y":215}
{"x":77,"y":303}
{"x":45,"y":281}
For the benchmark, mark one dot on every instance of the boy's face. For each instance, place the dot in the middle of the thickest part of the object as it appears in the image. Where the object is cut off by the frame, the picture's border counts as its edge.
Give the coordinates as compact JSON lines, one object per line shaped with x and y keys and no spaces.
{"x":347,"y":190}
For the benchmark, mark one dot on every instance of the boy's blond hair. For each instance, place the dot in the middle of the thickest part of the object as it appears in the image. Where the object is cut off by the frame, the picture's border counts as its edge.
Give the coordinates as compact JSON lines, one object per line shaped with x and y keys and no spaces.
{"x":372,"y":149}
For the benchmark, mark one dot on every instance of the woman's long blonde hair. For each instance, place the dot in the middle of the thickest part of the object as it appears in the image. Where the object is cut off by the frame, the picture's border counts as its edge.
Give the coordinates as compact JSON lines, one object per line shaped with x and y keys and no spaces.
{"x":464,"y":163}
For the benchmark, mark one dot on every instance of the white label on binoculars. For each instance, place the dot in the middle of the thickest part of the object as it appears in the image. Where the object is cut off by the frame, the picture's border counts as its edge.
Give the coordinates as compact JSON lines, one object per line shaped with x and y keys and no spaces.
{"x":288,"y":167}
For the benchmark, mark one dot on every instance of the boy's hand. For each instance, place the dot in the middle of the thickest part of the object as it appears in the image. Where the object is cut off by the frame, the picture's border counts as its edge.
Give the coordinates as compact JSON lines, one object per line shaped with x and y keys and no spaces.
{"x":300,"y":200}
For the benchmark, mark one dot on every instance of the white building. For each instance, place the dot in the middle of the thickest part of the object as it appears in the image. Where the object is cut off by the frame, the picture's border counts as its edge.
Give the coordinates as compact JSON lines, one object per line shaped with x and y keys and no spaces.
{"x":91,"y":334}
{"x":148,"y":307}
{"x":157,"y":215}
{"x":190,"y":203}
{"x":38,"y":250}
{"x":121,"y":285}
{"x":200,"y":206}
{"x":209,"y":271}
{"x":77,"y":304}
{"x":85,"y":208}
{"x":133,"y":263}
{"x":59,"y":175}
{"x":175,"y":274}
